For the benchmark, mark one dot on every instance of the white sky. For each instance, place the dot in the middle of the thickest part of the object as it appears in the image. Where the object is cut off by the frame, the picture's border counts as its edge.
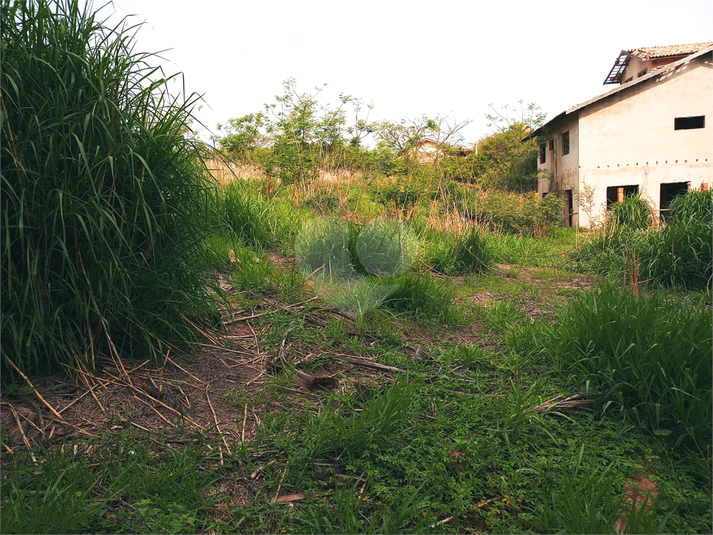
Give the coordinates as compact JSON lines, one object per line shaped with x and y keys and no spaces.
{"x":406,"y":57}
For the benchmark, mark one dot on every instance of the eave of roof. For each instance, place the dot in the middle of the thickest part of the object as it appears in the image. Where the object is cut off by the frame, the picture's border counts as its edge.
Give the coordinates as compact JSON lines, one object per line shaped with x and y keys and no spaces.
{"x":624,"y":87}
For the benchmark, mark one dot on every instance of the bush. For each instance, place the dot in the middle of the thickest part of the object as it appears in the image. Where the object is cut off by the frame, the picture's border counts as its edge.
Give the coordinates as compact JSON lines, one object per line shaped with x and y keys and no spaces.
{"x":103,"y":196}
{"x":521,"y":214}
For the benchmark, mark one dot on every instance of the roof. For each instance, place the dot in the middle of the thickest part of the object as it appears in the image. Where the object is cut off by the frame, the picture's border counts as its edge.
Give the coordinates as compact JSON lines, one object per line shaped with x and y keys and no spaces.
{"x":625,"y":87}
{"x":648,"y":53}
{"x":653,"y":52}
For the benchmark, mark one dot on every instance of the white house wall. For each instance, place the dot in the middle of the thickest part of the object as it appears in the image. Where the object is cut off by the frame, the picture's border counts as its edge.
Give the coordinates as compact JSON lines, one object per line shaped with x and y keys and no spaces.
{"x":629,"y":138}
{"x":563,"y":169}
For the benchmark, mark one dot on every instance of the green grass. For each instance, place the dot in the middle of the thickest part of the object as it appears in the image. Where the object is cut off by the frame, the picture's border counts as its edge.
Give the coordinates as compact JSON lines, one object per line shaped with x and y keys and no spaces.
{"x":649,"y":356}
{"x":103,"y":196}
{"x":241,"y":211}
{"x":679,"y":254}
{"x":129,"y":487}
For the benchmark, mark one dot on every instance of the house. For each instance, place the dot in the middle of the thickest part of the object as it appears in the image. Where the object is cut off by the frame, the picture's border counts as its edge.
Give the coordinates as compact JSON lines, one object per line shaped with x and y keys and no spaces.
{"x":651,"y":135}
{"x":430,"y":150}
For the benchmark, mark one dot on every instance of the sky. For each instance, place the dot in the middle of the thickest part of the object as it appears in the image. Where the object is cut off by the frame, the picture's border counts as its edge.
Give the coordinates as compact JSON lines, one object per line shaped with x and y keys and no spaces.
{"x":406,"y":58}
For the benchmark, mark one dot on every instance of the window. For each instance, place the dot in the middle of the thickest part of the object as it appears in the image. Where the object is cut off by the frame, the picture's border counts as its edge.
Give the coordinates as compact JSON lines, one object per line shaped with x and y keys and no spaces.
{"x":641,"y":73}
{"x":543,"y":153}
{"x":689,"y":123}
{"x":613,"y":193}
{"x":552,"y":144}
{"x":565,"y":143}
{"x":669,"y":191}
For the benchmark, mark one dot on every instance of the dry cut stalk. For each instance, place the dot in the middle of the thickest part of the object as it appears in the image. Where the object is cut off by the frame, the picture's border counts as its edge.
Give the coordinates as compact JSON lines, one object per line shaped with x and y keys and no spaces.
{"x":35,"y":390}
{"x":215,"y":419}
{"x":156,"y":411}
{"x":245,"y":419}
{"x":22,"y":432}
{"x":369,"y":364}
{"x":274,"y":499}
{"x":162,"y":404}
{"x":184,"y":371}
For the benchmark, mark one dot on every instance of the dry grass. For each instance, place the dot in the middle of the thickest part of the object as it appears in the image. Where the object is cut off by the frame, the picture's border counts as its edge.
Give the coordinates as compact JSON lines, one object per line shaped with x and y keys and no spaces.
{"x":224,"y":172}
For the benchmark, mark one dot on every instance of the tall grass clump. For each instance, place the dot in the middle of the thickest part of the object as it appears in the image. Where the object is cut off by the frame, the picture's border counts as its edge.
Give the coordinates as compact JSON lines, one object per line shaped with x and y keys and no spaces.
{"x":682,"y":253}
{"x":650,"y":356}
{"x":103,"y":196}
{"x":237,"y":211}
{"x":421,"y":296}
{"x":467,"y":251}
{"x":322,"y":249}
{"x":632,"y":212}
{"x":678,"y":254}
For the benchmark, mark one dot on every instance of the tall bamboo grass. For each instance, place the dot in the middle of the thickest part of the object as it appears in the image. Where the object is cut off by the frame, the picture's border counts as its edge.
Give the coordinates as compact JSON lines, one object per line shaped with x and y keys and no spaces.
{"x":103,"y":196}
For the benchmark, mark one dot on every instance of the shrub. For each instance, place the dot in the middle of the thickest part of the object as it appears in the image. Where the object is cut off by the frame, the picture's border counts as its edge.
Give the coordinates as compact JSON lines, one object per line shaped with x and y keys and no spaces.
{"x":521,"y":214}
{"x":103,"y":196}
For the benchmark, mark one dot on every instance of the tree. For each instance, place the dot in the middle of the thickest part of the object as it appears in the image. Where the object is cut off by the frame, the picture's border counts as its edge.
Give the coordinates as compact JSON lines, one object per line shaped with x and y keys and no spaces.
{"x":511,"y":161}
{"x":243,"y":135}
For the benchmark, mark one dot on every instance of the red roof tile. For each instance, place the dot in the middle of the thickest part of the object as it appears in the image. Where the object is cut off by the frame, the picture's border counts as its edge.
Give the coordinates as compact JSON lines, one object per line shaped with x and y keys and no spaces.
{"x":652,"y":52}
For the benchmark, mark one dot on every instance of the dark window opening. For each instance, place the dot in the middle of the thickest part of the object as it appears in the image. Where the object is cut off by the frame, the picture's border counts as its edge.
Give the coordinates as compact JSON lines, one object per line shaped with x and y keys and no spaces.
{"x":668,"y":193}
{"x":552,"y":144}
{"x":689,"y":123}
{"x":613,"y":193}
{"x":565,"y":143}
{"x":629,"y":79}
{"x":543,"y":153}
{"x":641,"y":73}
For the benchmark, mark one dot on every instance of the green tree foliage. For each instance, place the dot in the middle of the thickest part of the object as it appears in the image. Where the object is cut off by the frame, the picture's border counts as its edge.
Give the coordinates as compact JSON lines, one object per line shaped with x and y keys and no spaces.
{"x":508,"y":161}
{"x":296,"y":135}
{"x":101,"y":193}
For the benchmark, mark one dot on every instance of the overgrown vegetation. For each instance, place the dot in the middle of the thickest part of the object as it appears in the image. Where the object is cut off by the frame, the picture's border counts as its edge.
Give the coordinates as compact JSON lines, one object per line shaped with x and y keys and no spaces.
{"x":496,"y":373}
{"x":679,"y":253}
{"x":103,"y":197}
